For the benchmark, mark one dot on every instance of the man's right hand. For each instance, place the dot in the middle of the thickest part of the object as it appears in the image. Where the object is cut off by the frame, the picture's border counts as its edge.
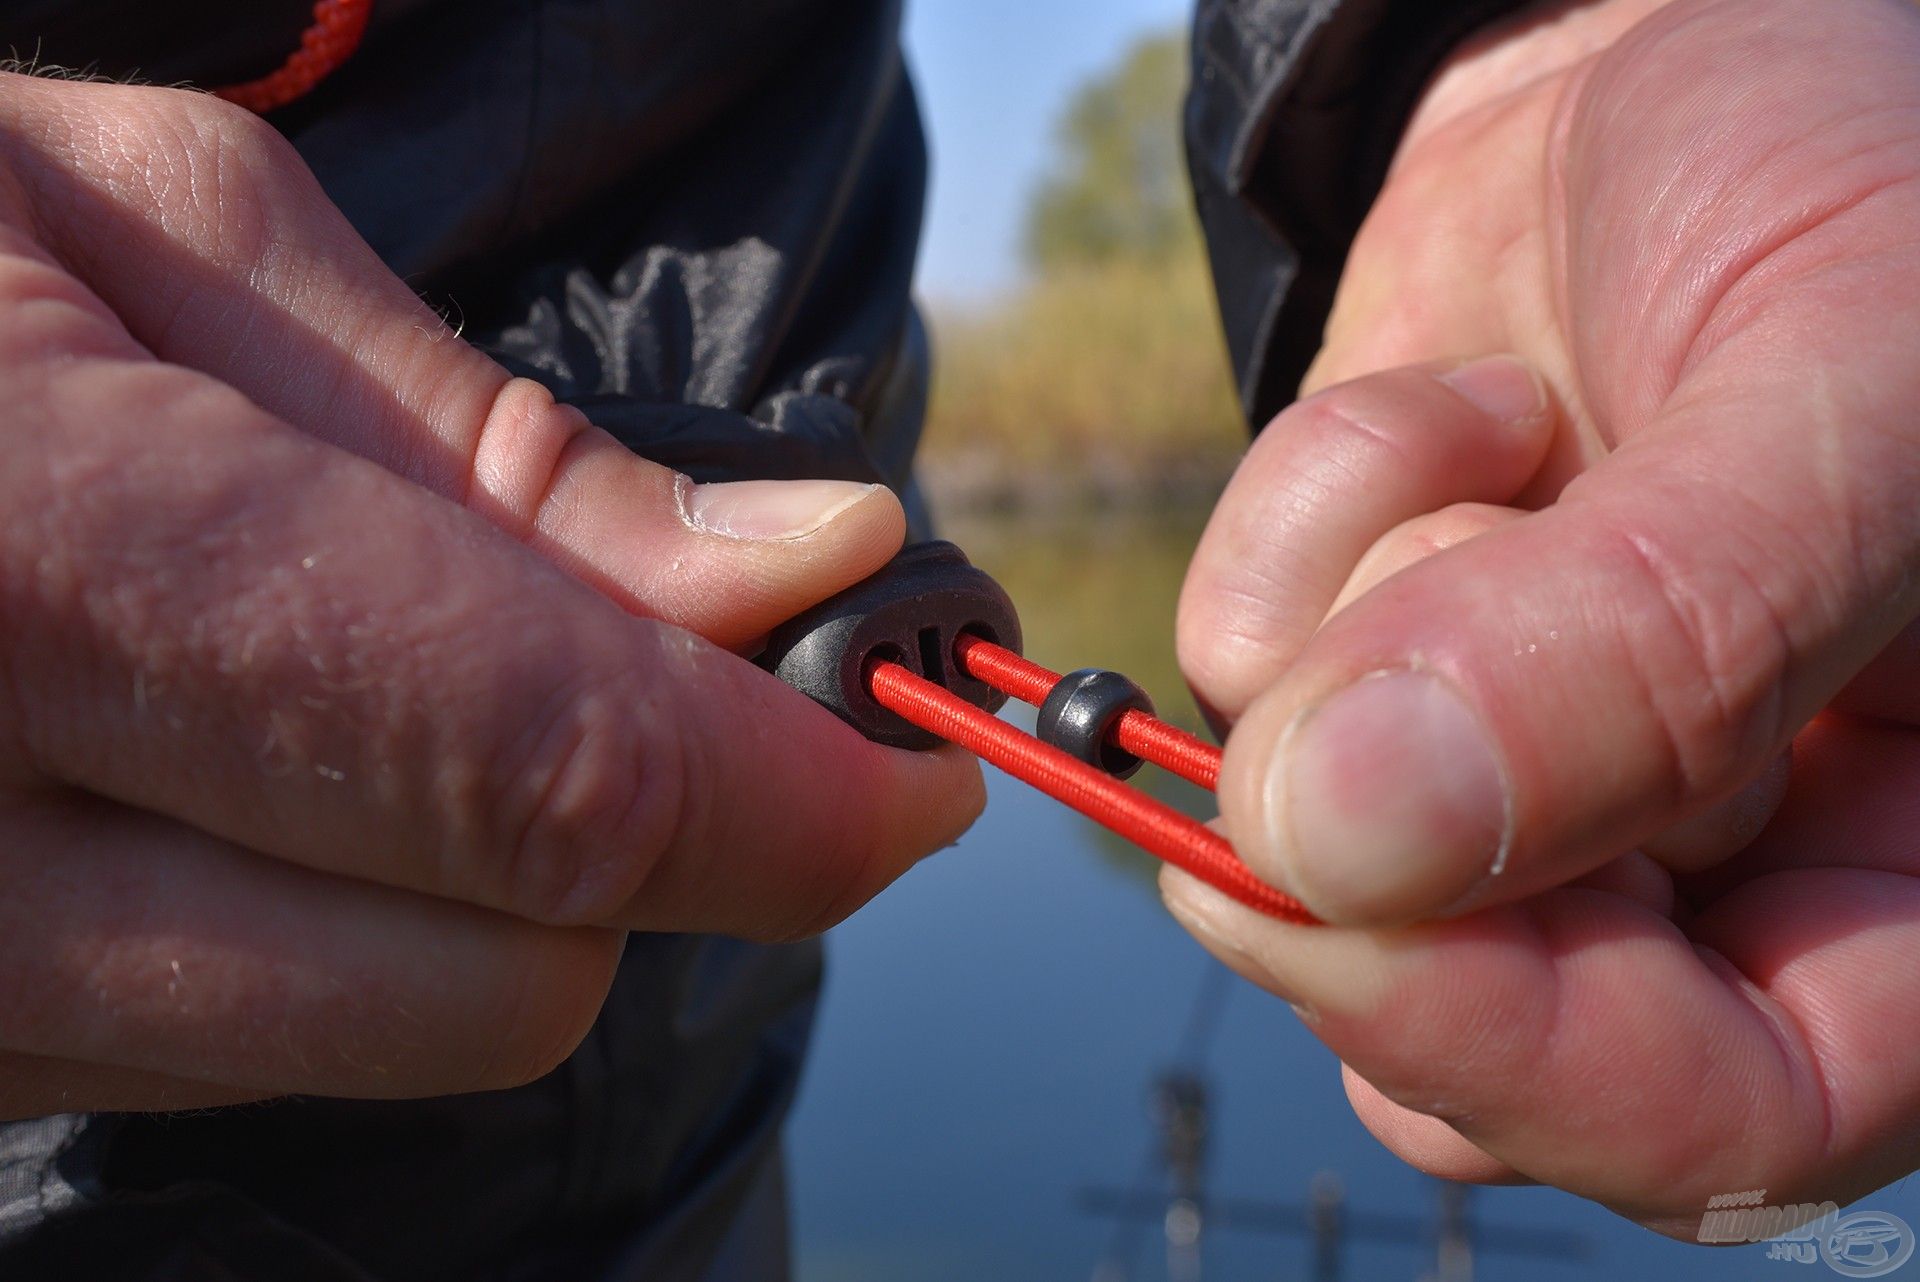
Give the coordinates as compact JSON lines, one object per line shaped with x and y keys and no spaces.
{"x":352,"y":695}
{"x":1514,"y":664}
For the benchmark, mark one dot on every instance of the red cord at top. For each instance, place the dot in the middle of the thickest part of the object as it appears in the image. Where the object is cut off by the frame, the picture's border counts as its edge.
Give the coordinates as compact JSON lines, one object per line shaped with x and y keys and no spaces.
{"x":1140,"y":733}
{"x":1157,"y":828}
{"x":337,"y":28}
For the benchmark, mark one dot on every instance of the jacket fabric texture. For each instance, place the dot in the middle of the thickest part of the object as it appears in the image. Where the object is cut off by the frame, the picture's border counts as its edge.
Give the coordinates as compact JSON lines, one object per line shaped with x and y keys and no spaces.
{"x":697,"y":222}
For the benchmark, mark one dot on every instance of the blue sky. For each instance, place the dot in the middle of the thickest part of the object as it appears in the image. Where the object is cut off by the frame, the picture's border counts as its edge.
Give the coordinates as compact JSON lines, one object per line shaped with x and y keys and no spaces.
{"x":993,"y":75}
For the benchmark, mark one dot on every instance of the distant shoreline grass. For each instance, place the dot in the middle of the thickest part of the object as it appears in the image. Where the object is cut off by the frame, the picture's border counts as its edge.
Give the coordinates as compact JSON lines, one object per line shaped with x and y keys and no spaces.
{"x":1094,"y":384}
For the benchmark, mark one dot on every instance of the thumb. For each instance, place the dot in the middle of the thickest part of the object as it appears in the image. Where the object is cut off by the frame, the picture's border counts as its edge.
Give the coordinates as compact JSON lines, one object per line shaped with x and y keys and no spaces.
{"x":1734,"y":272}
{"x":1521,"y":708}
{"x":259,"y":281}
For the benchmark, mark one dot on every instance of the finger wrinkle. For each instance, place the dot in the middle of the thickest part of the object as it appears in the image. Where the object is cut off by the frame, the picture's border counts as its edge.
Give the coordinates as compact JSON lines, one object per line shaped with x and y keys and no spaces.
{"x":48,"y":320}
{"x":1789,"y":1037}
{"x":596,"y":803}
{"x":1712,"y":707}
{"x":519,"y":453}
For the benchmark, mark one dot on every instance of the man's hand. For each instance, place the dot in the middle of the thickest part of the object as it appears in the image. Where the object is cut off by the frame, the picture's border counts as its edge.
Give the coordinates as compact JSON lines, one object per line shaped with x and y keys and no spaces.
{"x":1512,"y":664}
{"x":317,"y":772}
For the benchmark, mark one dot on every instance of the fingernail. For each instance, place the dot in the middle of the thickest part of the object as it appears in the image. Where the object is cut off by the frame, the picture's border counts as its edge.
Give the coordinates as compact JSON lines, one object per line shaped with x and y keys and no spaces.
{"x":1388,"y":802}
{"x":1504,"y":386}
{"x":769,"y":510}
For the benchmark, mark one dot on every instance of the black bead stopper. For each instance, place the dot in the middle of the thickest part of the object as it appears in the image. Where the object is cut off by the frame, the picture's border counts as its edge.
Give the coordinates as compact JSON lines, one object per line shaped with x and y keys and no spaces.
{"x":1082,"y":709}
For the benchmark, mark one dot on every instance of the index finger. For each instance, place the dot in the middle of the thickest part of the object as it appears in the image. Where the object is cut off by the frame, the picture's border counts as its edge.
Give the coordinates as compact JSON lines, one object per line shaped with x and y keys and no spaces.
{"x":1322,"y":484}
{"x":214,"y":617}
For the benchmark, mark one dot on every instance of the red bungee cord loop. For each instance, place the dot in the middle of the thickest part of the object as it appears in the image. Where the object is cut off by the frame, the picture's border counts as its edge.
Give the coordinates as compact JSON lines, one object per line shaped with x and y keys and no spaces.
{"x":324,"y":46}
{"x":1154,"y":826}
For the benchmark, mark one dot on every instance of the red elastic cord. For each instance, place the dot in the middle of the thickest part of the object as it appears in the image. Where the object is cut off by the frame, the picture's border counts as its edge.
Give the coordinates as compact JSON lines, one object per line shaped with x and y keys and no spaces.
{"x":1159,"y":829}
{"x":1140,"y":733}
{"x":329,"y":42}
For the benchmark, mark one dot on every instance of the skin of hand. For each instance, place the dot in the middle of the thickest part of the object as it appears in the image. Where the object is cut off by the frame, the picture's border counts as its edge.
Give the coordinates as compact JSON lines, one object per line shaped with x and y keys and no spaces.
{"x":355,"y":699}
{"x":1580,"y":688}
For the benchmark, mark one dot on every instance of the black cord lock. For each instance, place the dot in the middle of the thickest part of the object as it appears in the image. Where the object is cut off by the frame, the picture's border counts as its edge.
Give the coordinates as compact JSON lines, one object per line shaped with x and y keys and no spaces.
{"x":912,"y":612}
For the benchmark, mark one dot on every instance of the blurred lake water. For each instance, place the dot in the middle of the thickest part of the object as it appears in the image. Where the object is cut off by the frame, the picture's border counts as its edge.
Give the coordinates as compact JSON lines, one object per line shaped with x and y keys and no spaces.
{"x":994,"y":1023}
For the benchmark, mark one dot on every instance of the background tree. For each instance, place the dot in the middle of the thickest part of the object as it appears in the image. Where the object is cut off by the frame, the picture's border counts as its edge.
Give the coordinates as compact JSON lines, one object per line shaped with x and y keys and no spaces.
{"x":1119,"y":189}
{"x":1102,"y":377}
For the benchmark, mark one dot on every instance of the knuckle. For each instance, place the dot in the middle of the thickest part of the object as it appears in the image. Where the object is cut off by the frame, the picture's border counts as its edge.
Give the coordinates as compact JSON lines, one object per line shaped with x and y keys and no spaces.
{"x":48,"y":322}
{"x":1224,"y":652}
{"x":198,"y":118}
{"x":216,"y":129}
{"x":1239,"y":632}
{"x":591,"y":794}
{"x":223,"y":159}
{"x":105,"y":554}
{"x":1254,"y":578}
{"x":1356,"y":437}
{"x":1710,"y":654}
{"x":99,"y":157}
{"x":1193,"y":634}
{"x":519,"y":455}
{"x":201,"y":170}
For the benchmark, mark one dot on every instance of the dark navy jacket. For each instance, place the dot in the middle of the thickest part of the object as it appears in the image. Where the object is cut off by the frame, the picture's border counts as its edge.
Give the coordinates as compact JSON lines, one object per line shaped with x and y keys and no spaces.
{"x":698,"y":221}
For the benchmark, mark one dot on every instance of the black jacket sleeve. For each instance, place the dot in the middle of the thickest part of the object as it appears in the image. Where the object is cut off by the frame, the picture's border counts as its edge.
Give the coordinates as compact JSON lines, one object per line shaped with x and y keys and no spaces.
{"x":1293,"y":115}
